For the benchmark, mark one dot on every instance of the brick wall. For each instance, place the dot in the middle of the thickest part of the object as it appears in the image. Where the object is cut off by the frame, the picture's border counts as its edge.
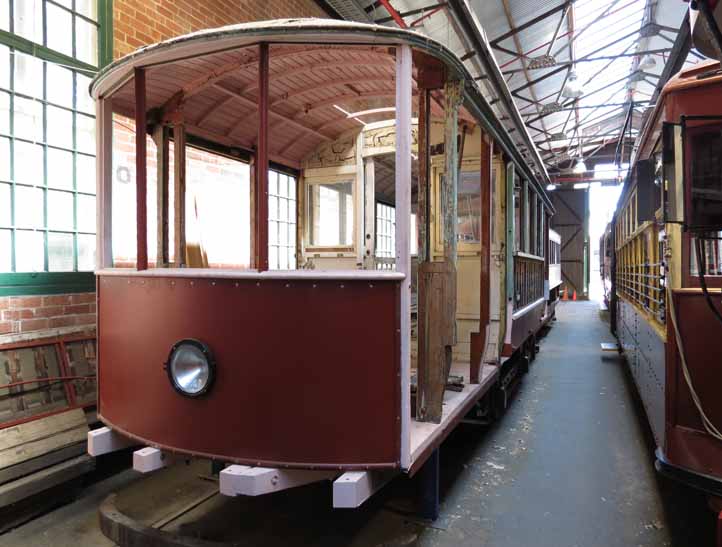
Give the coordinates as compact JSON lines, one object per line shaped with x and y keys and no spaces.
{"x":140,"y":22}
{"x":21,"y":314}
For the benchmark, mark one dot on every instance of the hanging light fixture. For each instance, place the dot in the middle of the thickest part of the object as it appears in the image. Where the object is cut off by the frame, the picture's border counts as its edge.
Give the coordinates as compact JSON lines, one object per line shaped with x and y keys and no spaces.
{"x":572,"y":89}
{"x":580,"y":167}
{"x":647,"y":62}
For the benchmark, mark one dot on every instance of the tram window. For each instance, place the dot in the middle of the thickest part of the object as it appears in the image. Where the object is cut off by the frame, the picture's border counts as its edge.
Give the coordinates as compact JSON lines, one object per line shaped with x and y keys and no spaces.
{"x":281,"y":221}
{"x":532,"y":222}
{"x":386,"y":232}
{"x":517,"y":217}
{"x":331,"y":214}
{"x":469,"y":208}
{"x":706,"y":174}
{"x":712,"y":254}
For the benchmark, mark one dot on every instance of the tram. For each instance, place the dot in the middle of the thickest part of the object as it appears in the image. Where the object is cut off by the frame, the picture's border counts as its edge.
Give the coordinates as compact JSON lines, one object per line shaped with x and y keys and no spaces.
{"x":666,"y":276}
{"x":377,"y":276}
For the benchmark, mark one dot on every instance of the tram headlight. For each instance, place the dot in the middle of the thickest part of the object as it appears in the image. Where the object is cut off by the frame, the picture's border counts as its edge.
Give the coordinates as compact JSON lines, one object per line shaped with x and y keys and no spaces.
{"x":191,"y":368}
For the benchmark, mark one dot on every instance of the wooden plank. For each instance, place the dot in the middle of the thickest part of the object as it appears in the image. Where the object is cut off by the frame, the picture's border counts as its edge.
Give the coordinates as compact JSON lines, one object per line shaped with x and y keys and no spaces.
{"x":353,"y":488}
{"x":104,"y":182}
{"x":403,"y":227}
{"x":46,"y":460}
{"x":241,"y":480}
{"x":17,"y":490}
{"x":424,"y":192}
{"x":160,"y":137}
{"x":35,"y":448}
{"x":261,"y":172}
{"x":179,"y":193}
{"x":18,"y":435}
{"x":369,"y":180}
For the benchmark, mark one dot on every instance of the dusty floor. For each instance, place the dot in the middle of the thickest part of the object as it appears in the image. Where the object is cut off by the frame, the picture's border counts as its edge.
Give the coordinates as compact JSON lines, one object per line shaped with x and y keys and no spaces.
{"x":570,"y":464}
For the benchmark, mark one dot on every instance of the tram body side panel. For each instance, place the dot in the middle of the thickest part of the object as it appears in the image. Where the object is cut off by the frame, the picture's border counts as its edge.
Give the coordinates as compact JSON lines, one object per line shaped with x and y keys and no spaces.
{"x":307,"y":370}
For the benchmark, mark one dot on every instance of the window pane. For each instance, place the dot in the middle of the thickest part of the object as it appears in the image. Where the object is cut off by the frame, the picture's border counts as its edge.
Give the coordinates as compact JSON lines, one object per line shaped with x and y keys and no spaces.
{"x":4,"y":159}
{"x":29,"y":251}
{"x":60,"y":252}
{"x":5,"y":251}
{"x":4,"y":113}
{"x":85,"y":101}
{"x":28,"y":16}
{"x":469,"y":208}
{"x":28,"y":207}
{"x":331,"y":214}
{"x":60,"y":85}
{"x":86,"y":213}
{"x":28,"y":119}
{"x":59,"y":34}
{"x":273,"y":183}
{"x":5,"y":217}
{"x":89,"y":8}
{"x":5,"y":15}
{"x":28,"y":75}
{"x":86,"y":42}
{"x":85,"y":174}
{"x":86,"y":253}
{"x":60,"y":169}
{"x":4,"y":66}
{"x":29,"y":163}
{"x":60,"y":210}
{"x":85,"y":133}
{"x":60,"y":127}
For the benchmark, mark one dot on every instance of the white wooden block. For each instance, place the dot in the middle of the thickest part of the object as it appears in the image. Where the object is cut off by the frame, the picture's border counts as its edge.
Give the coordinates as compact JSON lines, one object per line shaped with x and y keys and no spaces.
{"x":150,"y":459}
{"x":105,"y":440}
{"x":241,"y":480}
{"x":353,"y":488}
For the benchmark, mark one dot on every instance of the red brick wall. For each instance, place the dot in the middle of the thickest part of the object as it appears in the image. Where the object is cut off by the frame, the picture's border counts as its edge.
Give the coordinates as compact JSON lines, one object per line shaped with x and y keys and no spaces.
{"x":140,"y":22}
{"x":21,"y":314}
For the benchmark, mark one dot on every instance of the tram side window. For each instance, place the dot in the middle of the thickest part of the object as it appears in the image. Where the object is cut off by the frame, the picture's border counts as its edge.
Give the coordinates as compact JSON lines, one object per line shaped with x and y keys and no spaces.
{"x":331,"y":214}
{"x":706,"y":175}
{"x":712,"y":254}
{"x":281,"y":221}
{"x":517,"y":216}
{"x":386,"y":232}
{"x":531,"y":220}
{"x":469,"y":208}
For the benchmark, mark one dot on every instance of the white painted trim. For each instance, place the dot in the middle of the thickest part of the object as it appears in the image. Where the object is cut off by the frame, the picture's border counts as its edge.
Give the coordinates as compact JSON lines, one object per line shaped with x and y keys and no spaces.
{"x":241,"y":480}
{"x":211,"y":273}
{"x":509,"y":318}
{"x":105,"y":440}
{"x":324,"y":175}
{"x":150,"y":459}
{"x":403,"y":229}
{"x":104,"y":183}
{"x":353,"y":488}
{"x":522,"y":311}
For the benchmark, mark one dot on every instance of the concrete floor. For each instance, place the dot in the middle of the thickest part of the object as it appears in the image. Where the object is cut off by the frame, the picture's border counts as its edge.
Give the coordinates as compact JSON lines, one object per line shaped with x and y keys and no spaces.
{"x":570,"y":464}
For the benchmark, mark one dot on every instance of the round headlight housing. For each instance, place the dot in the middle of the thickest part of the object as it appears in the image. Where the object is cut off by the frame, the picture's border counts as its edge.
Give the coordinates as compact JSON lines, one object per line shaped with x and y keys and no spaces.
{"x":191,"y":368}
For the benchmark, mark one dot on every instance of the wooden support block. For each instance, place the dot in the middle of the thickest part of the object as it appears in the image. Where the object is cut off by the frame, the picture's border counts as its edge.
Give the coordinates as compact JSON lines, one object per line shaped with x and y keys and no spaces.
{"x":353,"y":488}
{"x":240,"y":480}
{"x":105,"y":440}
{"x":150,"y":459}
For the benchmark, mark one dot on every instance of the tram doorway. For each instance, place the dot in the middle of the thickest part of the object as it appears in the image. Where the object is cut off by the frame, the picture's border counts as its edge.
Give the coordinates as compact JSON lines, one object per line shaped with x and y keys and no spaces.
{"x":571,"y":221}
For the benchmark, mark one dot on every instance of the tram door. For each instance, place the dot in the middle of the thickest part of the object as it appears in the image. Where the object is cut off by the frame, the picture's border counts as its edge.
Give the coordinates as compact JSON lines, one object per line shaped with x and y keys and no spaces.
{"x":571,"y":221}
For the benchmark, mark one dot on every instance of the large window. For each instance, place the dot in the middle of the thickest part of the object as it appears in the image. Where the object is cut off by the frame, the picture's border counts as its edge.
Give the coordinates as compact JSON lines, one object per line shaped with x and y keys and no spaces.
{"x":330,"y":214}
{"x":281,"y":221}
{"x":49,"y":50}
{"x":469,"y":208}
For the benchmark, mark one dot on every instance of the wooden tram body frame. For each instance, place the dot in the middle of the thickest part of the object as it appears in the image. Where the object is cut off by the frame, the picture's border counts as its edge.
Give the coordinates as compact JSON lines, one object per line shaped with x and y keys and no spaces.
{"x":314,"y":365}
{"x":651,"y":261}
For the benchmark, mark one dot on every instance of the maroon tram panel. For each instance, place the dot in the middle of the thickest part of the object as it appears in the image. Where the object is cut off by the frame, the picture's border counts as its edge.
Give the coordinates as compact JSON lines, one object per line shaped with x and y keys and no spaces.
{"x":307,"y":370}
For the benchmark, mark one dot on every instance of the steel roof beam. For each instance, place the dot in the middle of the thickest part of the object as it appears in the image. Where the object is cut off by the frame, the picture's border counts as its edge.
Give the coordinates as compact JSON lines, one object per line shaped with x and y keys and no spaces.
{"x":529,"y":23}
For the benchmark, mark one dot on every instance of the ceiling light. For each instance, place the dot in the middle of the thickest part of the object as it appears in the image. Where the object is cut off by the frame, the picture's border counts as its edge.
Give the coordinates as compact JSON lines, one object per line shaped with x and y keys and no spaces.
{"x":572,"y":89}
{"x":580,"y":167}
{"x":647,"y":62}
{"x":581,"y":186}
{"x":551,"y":187}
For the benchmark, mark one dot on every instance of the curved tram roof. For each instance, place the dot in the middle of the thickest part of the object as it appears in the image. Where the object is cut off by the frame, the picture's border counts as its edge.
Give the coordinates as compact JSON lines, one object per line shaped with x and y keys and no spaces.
{"x":320,"y":72}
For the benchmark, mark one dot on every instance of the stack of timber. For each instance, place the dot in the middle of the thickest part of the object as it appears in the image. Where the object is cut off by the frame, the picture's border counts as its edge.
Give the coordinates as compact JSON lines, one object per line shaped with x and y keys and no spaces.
{"x":41,"y":456}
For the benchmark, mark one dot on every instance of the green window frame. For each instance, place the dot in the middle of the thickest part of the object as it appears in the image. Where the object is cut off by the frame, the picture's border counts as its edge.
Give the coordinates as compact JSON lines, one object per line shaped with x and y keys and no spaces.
{"x":49,"y":50}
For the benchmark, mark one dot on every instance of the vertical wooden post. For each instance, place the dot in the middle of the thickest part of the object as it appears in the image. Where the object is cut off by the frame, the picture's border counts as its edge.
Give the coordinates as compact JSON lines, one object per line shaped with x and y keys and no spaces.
{"x":403,"y":227}
{"x":509,"y":281}
{"x":449,"y":190}
{"x":160,"y":137}
{"x":179,"y":192}
{"x":423,"y":214}
{"x":369,"y":247}
{"x":478,"y":340}
{"x":140,"y":172}
{"x":261,"y":164}
{"x":104,"y":183}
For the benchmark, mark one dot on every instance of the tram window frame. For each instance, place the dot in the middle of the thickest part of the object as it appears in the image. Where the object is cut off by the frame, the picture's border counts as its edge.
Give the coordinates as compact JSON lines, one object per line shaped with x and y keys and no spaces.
{"x":693,"y":139}
{"x":344,"y":249}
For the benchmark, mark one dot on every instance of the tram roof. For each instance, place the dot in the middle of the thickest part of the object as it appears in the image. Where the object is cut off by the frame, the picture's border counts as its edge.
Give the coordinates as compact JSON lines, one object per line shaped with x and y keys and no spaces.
{"x":341,"y":67}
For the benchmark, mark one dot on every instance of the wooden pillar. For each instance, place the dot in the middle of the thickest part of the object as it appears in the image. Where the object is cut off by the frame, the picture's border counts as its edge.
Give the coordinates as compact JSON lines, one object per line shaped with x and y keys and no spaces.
{"x":261,"y":165}
{"x":424,"y":192}
{"x":179,"y":193}
{"x":104,"y":176}
{"x":403,"y":228}
{"x":140,"y":172}
{"x":478,"y":340}
{"x":369,"y":181}
{"x":160,"y":137}
{"x":509,"y":281}
{"x":449,"y":189}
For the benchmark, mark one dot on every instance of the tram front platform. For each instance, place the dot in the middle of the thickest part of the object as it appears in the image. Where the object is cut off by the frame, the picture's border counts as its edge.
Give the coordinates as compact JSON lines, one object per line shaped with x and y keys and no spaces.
{"x":569,"y":464}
